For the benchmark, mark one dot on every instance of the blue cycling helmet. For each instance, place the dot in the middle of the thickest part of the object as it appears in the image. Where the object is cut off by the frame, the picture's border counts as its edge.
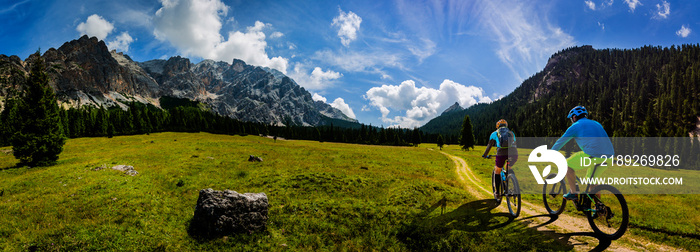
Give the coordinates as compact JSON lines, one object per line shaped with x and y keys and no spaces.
{"x":577,"y":111}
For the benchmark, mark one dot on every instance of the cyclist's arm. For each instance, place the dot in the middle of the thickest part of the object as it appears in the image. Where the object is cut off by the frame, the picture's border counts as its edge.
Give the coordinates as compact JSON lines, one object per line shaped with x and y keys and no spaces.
{"x":568,"y":135}
{"x":488,"y":147}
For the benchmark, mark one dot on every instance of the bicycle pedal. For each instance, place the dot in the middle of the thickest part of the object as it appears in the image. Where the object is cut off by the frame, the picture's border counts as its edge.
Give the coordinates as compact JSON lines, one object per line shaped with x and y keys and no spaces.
{"x":608,"y":213}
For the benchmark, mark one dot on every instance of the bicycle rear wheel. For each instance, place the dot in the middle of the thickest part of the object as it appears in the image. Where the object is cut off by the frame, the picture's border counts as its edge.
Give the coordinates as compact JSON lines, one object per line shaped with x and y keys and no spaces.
{"x":553,"y":196}
{"x":608,"y":213}
{"x":512,"y":195}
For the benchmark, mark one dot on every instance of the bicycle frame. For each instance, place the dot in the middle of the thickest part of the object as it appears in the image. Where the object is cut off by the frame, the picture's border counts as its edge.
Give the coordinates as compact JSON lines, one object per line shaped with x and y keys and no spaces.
{"x":585,"y":195}
{"x":506,"y":169}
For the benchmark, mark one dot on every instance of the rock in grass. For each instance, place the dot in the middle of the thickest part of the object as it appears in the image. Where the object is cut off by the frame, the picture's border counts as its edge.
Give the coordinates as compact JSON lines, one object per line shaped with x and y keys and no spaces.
{"x":127,"y":169}
{"x":255,"y":159}
{"x":100,"y":168}
{"x":226,"y":212}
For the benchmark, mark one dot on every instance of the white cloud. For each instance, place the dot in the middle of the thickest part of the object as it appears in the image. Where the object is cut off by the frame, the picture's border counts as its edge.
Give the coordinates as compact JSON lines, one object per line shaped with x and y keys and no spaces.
{"x":608,"y":3}
{"x":95,"y":26}
{"x":275,"y":35}
{"x":421,"y":104}
{"x":525,"y":40}
{"x":602,"y":26}
{"x":318,"y":97}
{"x":590,"y":4}
{"x":13,"y":7}
{"x":663,"y":10}
{"x":140,"y":18}
{"x":632,"y":4}
{"x":121,"y":43}
{"x":424,"y":50}
{"x":340,"y":104}
{"x":193,"y":27}
{"x":348,"y":24}
{"x":368,"y":62}
{"x":683,"y":32}
{"x":317,"y":80}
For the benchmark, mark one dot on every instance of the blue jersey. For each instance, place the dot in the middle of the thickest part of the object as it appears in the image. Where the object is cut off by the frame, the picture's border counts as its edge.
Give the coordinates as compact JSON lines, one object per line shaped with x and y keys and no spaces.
{"x":590,"y":137}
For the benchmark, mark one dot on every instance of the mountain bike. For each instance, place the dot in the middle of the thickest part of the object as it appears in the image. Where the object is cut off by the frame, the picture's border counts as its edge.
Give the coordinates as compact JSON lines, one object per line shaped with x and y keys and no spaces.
{"x":509,"y":188}
{"x":604,"y":206}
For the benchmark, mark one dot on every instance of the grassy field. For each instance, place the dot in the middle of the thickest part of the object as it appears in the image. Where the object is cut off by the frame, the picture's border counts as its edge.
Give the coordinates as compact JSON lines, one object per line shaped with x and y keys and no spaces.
{"x":320,"y":198}
{"x":663,"y":218}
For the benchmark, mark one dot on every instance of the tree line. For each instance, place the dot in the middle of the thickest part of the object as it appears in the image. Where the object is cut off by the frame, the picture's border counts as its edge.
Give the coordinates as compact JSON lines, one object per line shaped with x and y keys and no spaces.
{"x":645,"y":92}
{"x":139,"y":118}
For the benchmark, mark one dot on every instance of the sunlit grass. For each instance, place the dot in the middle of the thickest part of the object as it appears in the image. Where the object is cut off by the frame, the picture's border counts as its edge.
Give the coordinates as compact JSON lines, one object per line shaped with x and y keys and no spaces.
{"x":325,"y":196}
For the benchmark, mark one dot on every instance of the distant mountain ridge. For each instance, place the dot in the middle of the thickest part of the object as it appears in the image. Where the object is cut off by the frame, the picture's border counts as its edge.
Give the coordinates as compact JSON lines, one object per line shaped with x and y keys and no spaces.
{"x":85,"y":72}
{"x":648,"y":91}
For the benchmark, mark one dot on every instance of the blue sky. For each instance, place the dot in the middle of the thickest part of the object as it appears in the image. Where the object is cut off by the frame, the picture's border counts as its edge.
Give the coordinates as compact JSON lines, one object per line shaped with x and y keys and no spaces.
{"x":383,"y":62}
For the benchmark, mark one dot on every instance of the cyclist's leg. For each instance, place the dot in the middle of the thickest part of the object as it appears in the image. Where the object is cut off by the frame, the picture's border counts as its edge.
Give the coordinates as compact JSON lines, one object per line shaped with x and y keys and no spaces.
{"x":500,"y":162}
{"x":574,"y":164}
{"x":497,"y":178}
{"x":598,"y":171}
{"x":571,"y":180}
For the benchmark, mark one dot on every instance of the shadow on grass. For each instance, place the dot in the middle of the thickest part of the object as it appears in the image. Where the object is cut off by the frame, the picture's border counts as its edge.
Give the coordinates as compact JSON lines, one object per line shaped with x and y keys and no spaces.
{"x":197,"y":233}
{"x":15,"y":166}
{"x":475,"y":216}
{"x":484,"y":227}
{"x":430,"y":231}
{"x":552,"y":219}
{"x":603,"y":242}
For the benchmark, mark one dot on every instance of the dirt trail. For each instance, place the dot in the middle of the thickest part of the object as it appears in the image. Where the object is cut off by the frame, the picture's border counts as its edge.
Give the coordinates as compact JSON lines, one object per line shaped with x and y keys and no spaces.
{"x":570,"y":229}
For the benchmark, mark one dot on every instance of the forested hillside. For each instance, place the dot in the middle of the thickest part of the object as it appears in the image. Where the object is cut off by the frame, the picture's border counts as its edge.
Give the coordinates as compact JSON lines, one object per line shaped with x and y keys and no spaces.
{"x":649,"y":91}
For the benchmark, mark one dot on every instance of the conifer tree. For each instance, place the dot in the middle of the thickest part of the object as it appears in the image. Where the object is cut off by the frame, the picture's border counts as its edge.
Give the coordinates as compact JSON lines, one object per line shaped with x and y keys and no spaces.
{"x":39,"y":138}
{"x":466,"y":139}
{"x":415,"y":138}
{"x":9,"y":119}
{"x":101,"y":122}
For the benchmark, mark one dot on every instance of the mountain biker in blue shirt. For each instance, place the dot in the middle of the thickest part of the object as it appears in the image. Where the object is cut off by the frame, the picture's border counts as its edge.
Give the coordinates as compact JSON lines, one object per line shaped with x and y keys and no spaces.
{"x":593,"y":141}
{"x":502,"y":152}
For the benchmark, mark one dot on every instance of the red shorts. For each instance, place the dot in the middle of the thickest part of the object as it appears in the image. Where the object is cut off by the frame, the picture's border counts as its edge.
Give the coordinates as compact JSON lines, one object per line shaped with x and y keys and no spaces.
{"x":501,"y":160}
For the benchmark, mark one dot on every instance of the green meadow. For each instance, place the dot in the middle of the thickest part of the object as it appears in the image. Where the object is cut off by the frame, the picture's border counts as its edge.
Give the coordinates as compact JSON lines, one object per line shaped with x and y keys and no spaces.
{"x":323,"y":196}
{"x":669,"y":219}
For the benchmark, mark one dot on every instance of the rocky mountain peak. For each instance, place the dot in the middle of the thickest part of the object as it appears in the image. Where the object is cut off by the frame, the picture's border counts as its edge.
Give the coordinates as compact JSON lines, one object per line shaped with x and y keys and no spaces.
{"x":85,"y":72}
{"x":176,"y":65}
{"x":454,"y":108}
{"x":554,"y":74}
{"x":85,"y":50}
{"x":238,"y":65}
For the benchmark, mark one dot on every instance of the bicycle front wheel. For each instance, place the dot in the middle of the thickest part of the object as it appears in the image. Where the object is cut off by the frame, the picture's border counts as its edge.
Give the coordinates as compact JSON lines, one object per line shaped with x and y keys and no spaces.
{"x":607,"y":212}
{"x":512,"y":194}
{"x":553,"y":196}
